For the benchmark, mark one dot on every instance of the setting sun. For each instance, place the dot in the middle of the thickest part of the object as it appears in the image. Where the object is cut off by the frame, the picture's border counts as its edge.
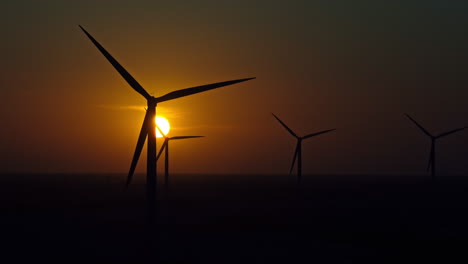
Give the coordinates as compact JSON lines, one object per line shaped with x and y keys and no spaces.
{"x":163,"y":124}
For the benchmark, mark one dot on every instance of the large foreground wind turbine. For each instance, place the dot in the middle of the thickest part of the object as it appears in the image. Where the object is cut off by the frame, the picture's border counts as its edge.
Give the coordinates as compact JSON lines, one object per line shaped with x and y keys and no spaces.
{"x":298,"y":151}
{"x":165,"y":146}
{"x":148,"y":127}
{"x":431,"y":163}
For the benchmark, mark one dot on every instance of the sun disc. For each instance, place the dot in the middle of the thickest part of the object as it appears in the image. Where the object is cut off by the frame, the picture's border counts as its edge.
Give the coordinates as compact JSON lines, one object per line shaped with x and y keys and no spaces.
{"x":163,"y":124}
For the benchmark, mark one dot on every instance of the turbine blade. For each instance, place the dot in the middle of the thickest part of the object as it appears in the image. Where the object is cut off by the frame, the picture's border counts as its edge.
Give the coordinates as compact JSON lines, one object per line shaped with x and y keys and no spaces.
{"x":139,"y":147}
{"x":130,"y":80}
{"x":450,"y":132}
{"x":318,"y":133}
{"x":295,"y":156}
{"x":197,"y":89}
{"x":160,"y":131}
{"x":422,"y":128}
{"x":166,"y":140}
{"x":285,"y":126}
{"x":184,"y":137}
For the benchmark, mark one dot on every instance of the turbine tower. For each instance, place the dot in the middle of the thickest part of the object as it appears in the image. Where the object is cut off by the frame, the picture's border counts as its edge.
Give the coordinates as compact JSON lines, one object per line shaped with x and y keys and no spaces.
{"x":431,"y":163}
{"x":165,"y":147}
{"x":298,"y":151}
{"x":148,"y":129}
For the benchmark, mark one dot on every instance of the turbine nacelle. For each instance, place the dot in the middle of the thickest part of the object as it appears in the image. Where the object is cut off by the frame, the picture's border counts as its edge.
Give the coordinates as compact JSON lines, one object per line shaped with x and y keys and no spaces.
{"x":152,"y":102}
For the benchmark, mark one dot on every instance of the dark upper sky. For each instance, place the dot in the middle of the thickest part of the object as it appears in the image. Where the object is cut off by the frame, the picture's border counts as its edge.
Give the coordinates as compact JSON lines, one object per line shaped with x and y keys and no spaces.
{"x":352,"y":65}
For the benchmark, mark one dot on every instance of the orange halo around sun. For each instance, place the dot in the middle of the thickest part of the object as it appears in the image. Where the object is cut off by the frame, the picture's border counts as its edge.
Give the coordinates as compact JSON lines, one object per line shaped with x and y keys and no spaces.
{"x":163,"y":124}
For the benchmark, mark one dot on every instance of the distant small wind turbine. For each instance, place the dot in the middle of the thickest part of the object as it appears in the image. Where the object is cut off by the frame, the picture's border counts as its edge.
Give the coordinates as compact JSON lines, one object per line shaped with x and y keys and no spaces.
{"x":148,"y":127}
{"x":165,"y":146}
{"x":431,"y":163}
{"x":298,"y":151}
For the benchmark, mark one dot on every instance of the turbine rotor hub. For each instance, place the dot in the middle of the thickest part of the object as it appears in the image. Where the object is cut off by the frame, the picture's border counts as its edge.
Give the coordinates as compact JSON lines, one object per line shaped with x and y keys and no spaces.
{"x":152,"y":102}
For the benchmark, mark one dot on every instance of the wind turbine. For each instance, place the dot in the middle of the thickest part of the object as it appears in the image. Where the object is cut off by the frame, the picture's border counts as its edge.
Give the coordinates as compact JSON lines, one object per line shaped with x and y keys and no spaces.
{"x":165,"y":146}
{"x":148,"y":127}
{"x":298,"y":151}
{"x":431,"y":163}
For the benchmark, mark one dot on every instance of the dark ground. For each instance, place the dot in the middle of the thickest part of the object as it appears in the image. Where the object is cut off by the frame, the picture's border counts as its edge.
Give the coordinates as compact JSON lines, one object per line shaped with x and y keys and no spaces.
{"x":235,"y":219}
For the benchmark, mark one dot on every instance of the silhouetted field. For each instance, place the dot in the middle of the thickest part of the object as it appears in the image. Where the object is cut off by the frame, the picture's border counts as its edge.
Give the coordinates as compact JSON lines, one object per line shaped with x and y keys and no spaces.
{"x":236,"y":219}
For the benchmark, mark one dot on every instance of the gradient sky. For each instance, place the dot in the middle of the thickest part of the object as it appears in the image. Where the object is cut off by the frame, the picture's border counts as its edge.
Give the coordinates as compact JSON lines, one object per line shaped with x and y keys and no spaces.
{"x":352,"y":65}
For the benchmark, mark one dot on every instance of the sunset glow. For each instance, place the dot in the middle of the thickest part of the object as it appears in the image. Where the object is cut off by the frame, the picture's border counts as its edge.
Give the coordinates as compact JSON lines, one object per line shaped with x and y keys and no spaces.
{"x":163,"y":125}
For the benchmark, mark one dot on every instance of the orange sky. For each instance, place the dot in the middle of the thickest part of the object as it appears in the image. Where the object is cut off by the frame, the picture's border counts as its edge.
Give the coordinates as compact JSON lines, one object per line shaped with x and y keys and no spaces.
{"x":318,"y":66}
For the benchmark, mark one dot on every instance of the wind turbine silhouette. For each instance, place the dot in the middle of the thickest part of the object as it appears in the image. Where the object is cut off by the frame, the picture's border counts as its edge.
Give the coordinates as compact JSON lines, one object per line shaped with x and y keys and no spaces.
{"x":148,"y":127}
{"x":431,"y":163}
{"x":165,"y":146}
{"x":298,"y":151}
